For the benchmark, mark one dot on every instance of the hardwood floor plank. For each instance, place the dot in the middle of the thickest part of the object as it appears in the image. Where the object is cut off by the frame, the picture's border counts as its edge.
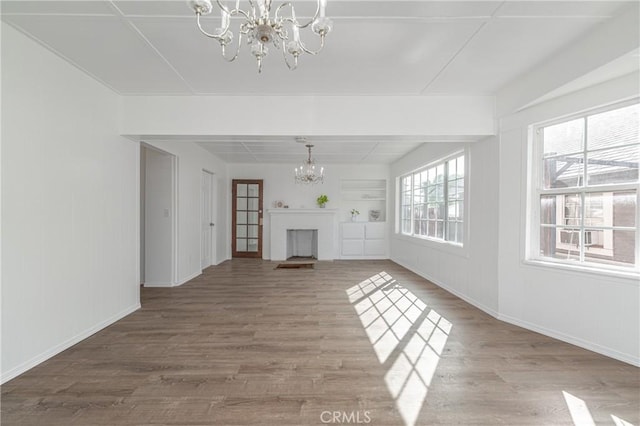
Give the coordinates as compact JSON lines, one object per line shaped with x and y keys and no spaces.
{"x":248,"y":344}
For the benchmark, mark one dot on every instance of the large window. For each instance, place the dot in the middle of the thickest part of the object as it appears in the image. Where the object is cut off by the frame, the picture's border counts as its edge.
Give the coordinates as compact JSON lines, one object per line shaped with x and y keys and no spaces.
{"x":432,"y":201}
{"x":586,"y":175}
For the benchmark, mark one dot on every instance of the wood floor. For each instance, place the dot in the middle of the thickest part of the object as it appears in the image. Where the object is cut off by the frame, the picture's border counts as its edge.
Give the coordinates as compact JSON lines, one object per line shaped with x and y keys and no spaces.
{"x":349,"y":342}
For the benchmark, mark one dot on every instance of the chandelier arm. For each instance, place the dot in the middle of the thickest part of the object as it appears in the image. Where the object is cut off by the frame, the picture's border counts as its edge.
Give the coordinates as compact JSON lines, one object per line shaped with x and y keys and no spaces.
{"x":313,"y":52}
{"x":286,"y":61}
{"x":231,"y":12}
{"x":214,"y":36}
{"x":237,"y":49}
{"x":253,"y":5}
{"x":293,"y":20}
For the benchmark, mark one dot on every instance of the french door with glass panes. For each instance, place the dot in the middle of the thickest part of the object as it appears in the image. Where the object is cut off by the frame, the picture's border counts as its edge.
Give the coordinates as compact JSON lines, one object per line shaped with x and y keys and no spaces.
{"x":247,"y":218}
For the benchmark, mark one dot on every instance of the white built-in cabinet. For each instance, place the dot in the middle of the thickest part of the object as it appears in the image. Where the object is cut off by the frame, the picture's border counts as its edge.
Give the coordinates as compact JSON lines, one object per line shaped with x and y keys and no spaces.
{"x":366,"y":238}
{"x":363,"y":240}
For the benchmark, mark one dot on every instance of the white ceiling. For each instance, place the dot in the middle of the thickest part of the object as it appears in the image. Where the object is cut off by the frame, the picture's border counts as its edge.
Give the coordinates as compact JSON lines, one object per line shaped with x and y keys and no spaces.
{"x":377,"y":47}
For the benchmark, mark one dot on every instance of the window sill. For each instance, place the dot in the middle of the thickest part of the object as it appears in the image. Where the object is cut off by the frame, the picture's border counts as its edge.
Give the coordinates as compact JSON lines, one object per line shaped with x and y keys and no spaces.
{"x":444,"y":246}
{"x":631,"y":276}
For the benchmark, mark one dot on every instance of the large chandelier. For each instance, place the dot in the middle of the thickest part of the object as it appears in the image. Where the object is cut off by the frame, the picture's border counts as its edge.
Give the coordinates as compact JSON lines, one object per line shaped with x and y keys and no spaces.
{"x":261,"y":28}
{"x":308,"y":172}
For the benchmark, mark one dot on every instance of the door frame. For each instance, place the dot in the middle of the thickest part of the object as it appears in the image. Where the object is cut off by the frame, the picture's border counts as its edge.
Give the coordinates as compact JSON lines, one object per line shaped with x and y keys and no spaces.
{"x":247,"y":254}
{"x":213,"y":218}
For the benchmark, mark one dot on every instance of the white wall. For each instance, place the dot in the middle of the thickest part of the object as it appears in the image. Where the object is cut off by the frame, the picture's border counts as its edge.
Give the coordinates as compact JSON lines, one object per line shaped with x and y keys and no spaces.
{"x":598,"y":312}
{"x":70,"y":207}
{"x":159,"y":230}
{"x":469,"y":272}
{"x":280,"y":186}
{"x":192,"y":159}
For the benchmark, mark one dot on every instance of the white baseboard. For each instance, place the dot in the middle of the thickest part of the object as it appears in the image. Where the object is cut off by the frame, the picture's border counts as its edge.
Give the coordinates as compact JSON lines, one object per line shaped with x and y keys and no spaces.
{"x":594,"y":347}
{"x":456,"y":293}
{"x":157,"y":284}
{"x":629,"y":359}
{"x":5,"y":376}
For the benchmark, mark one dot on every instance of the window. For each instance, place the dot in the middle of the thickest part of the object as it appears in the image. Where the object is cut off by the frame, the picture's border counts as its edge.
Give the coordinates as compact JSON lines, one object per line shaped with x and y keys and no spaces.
{"x":586,"y":174}
{"x":432,"y":201}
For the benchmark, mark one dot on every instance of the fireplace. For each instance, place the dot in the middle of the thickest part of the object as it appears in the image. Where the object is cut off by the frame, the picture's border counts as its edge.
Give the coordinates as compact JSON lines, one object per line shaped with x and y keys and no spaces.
{"x":302,"y":243}
{"x":322,"y":221}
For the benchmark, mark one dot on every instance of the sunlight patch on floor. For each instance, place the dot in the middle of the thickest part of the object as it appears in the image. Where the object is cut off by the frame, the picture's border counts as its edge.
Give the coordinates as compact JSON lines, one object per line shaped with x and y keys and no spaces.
{"x":581,"y":415}
{"x":404,"y":334}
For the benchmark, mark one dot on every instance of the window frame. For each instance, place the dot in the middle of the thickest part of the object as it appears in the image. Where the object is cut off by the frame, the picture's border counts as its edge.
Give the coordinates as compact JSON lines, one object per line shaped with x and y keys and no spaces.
{"x":446,"y":222}
{"x":536,"y":190}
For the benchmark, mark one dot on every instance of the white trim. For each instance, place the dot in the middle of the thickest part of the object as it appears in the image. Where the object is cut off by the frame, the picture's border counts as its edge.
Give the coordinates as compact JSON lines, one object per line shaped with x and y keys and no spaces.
{"x":630,"y":277}
{"x":602,"y":350}
{"x":49,"y":353}
{"x":175,"y":223}
{"x":432,"y":243}
{"x":158,"y":284}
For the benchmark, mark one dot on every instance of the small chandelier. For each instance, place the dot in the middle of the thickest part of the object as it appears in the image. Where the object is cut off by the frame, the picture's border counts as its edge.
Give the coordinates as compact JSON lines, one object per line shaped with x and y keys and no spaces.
{"x":307,"y":172}
{"x":261,"y":28}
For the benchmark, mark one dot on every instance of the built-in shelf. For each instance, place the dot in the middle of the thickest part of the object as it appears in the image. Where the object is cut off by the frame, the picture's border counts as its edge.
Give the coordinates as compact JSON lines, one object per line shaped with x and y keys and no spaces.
{"x":365,"y":195}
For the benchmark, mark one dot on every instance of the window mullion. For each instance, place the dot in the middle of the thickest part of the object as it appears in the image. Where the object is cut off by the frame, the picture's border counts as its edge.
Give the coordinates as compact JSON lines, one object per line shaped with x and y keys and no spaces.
{"x":411,"y":210}
{"x":445,"y":219}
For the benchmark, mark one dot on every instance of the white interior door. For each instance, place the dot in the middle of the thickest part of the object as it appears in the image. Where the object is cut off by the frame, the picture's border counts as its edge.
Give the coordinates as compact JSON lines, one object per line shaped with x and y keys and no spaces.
{"x":207,"y":221}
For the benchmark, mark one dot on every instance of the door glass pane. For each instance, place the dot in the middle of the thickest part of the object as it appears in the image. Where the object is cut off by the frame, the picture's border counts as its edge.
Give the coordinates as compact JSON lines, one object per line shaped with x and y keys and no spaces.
{"x":241,"y":231}
{"x":253,"y":218}
{"x":241,"y":244}
{"x":253,"y":190}
{"x":241,"y":204}
{"x":241,"y":217}
{"x":253,"y":231}
{"x":253,"y":204}
{"x":242,"y":190}
{"x":252,"y":245}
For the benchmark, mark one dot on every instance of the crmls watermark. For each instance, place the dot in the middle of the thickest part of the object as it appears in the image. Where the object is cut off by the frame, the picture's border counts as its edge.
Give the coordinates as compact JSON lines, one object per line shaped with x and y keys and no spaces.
{"x":345,"y":417}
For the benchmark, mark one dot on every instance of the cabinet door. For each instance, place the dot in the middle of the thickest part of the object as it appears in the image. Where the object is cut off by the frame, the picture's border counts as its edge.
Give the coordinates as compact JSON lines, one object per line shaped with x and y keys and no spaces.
{"x":352,"y":231}
{"x":352,"y":247}
{"x":375,"y":230}
{"x":375,"y":247}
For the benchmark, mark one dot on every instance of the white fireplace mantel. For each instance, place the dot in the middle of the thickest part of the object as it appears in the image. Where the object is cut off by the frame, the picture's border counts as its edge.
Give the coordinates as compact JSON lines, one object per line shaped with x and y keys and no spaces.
{"x":322,"y":220}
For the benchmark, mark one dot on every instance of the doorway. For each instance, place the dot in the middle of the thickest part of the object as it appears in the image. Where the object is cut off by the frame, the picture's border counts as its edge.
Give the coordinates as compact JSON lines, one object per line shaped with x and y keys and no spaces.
{"x":207,"y":220}
{"x":158,"y":254}
{"x":246,"y":213}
